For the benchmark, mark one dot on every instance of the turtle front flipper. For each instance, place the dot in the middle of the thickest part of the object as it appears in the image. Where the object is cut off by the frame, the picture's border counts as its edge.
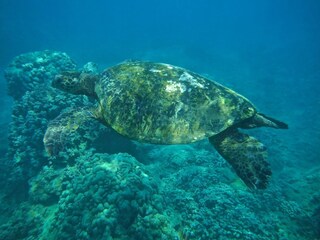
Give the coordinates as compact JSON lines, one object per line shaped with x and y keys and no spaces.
{"x":63,"y":126}
{"x":246,"y":155}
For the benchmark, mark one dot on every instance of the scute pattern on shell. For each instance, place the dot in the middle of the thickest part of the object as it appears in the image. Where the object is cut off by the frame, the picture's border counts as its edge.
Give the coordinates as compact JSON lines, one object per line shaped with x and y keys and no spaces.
{"x":161,"y":103}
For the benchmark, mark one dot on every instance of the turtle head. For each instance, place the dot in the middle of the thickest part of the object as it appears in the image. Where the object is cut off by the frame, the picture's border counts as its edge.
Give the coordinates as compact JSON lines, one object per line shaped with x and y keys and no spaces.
{"x":76,"y":82}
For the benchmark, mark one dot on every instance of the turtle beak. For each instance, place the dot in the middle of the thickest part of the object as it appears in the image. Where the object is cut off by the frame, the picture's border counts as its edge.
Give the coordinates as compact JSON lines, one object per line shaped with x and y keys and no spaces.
{"x":60,"y":82}
{"x":57,"y":81}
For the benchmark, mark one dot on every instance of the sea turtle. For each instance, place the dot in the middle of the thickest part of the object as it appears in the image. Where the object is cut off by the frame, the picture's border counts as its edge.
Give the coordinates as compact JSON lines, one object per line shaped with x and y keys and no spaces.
{"x":164,"y":104}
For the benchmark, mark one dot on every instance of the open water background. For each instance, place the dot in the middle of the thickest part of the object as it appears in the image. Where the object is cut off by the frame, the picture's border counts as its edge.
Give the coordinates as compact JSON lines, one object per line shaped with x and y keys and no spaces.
{"x":267,"y":50}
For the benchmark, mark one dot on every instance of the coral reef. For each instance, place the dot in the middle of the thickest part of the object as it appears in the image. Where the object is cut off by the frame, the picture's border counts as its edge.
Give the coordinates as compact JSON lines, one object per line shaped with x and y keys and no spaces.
{"x":33,"y":110}
{"x":36,"y":68}
{"x":90,"y":190}
{"x":29,"y":77}
{"x":110,"y":196}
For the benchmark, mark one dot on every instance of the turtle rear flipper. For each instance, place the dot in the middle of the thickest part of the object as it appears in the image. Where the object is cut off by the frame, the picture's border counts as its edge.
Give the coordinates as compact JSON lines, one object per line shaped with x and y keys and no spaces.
{"x":246,"y":155}
{"x":63,"y":126}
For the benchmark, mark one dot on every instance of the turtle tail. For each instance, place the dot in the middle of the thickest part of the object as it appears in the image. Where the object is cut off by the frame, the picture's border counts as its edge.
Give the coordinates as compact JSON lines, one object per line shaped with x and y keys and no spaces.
{"x":261,"y":120}
{"x":271,"y":122}
{"x":59,"y":130}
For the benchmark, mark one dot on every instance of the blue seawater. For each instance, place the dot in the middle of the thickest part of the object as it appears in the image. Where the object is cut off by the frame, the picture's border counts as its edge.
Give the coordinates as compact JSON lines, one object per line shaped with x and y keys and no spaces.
{"x":103,"y":186}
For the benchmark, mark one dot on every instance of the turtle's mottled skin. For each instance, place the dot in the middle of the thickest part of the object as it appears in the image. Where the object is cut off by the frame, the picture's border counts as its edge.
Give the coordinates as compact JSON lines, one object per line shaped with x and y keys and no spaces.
{"x":165,"y":104}
{"x":161,"y":103}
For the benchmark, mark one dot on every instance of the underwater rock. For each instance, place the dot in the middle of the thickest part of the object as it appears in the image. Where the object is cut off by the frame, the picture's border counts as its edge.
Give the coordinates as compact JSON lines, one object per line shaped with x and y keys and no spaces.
{"x":36,"y":103}
{"x":46,"y":187}
{"x":110,"y":196}
{"x":180,"y":192}
{"x":34,"y":68}
{"x":90,"y":67}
